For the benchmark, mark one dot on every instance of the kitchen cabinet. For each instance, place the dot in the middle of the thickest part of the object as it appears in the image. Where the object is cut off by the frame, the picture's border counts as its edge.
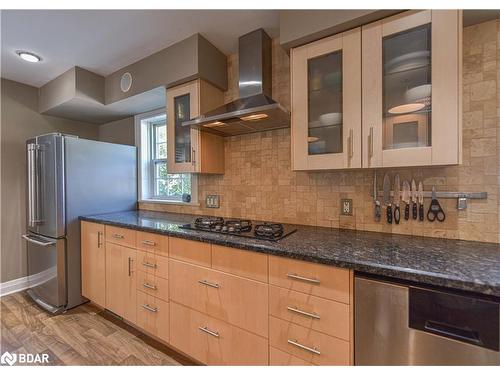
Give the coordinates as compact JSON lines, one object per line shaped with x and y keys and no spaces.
{"x":121,"y":295}
{"x":411,"y":68}
{"x":93,"y":262}
{"x":326,"y":103}
{"x":188,"y":149}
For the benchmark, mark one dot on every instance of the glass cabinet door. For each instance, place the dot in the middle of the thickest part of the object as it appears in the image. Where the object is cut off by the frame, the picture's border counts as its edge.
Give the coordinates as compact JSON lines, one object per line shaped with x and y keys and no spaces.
{"x":407,"y":88}
{"x":182,"y":133}
{"x":324,"y":104}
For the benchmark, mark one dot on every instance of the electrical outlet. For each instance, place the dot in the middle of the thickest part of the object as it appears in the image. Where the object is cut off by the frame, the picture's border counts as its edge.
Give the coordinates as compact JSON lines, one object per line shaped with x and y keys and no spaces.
{"x":346,"y":207}
{"x":212,"y":201}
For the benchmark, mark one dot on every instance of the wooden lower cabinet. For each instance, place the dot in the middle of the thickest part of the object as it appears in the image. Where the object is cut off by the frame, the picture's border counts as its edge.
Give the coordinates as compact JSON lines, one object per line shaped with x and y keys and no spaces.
{"x":93,"y":258}
{"x":307,"y":344}
{"x":281,"y":358}
{"x":121,"y":294}
{"x":153,"y":315}
{"x":236,"y":300}
{"x":152,"y":285}
{"x":214,"y":342}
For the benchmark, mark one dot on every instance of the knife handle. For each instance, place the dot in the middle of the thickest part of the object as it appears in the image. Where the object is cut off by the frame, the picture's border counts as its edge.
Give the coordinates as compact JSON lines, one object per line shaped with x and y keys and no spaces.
{"x":414,"y":210}
{"x":389,"y":214}
{"x":407,"y":211}
{"x":377,"y":211}
{"x":421,"y":212}
{"x":397,"y":214}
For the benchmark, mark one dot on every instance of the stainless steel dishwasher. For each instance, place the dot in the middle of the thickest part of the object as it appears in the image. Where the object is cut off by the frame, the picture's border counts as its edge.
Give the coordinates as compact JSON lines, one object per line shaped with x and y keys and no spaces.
{"x":403,"y":324}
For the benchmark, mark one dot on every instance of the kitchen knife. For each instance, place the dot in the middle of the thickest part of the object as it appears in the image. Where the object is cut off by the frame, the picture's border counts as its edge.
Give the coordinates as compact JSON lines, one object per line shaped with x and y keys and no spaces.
{"x":420,"y":201}
{"x":387,"y":197}
{"x":406,"y":198}
{"x":414,"y":199}
{"x":375,"y":198}
{"x":397,"y":198}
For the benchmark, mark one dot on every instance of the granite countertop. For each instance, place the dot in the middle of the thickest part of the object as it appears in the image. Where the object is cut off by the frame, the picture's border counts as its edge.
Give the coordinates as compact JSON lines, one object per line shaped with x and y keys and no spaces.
{"x":464,"y":265}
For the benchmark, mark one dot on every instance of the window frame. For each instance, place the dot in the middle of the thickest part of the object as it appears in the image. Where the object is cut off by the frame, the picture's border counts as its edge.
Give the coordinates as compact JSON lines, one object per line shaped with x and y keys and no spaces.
{"x":145,"y":141}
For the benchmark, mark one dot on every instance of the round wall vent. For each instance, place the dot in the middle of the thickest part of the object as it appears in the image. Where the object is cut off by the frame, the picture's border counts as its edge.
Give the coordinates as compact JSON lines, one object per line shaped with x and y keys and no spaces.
{"x":126,"y":82}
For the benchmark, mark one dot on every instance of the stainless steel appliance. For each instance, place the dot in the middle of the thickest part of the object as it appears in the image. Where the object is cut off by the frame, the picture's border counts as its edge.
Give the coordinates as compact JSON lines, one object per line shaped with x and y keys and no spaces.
{"x":68,"y":177}
{"x":403,"y":324}
{"x":242,"y":227}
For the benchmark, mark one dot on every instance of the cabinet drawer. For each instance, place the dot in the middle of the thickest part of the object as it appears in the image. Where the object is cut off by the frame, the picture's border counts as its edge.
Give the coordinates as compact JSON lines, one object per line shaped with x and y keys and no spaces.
{"x":330,"y":317}
{"x":152,"y":264}
{"x":316,"y":279}
{"x":152,"y":285}
{"x":309,"y":345}
{"x":153,"y":315}
{"x":190,"y":251}
{"x":280,"y":358}
{"x":120,"y":236}
{"x":240,"y":262}
{"x":153,"y":243}
{"x":233,"y":299}
{"x":213,"y":341}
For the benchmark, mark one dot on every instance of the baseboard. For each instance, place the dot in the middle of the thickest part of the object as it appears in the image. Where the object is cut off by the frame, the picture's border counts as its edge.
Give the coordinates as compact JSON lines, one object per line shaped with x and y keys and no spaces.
{"x":23,"y":283}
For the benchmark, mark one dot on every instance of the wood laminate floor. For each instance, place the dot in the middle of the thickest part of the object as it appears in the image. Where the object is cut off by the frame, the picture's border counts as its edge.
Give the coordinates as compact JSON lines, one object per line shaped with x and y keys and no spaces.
{"x":84,"y":335}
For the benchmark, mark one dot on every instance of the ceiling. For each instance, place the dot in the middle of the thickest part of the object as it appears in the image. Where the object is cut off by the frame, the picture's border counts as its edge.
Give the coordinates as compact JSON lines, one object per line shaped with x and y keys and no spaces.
{"x":104,"y":41}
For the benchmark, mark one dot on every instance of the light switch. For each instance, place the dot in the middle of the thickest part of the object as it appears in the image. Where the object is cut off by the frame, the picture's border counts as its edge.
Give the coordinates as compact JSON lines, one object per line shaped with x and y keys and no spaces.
{"x":346,"y":207}
{"x":212,"y":201}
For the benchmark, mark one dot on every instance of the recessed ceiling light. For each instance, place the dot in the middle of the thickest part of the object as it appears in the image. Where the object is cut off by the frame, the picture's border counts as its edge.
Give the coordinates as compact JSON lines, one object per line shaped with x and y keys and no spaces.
{"x":28,"y":56}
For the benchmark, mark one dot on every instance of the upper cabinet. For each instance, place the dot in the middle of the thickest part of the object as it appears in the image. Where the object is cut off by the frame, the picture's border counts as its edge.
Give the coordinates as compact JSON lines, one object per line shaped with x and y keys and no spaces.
{"x":326,"y":103}
{"x":385,"y":95}
{"x":189,"y":150}
{"x":411,"y":68}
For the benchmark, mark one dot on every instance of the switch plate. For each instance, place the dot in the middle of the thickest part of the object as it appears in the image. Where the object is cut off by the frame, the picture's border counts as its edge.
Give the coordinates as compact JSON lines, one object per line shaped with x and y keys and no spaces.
{"x":346,"y":207}
{"x":212,"y":201}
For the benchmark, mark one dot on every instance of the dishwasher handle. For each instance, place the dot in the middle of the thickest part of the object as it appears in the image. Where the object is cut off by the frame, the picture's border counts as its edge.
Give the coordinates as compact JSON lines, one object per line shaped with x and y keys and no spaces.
{"x":459,"y":333}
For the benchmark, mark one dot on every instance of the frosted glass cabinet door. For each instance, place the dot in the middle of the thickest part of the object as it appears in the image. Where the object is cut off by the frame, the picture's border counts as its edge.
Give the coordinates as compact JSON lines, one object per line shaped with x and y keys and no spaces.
{"x":182,"y":141}
{"x":326,"y":103}
{"x":411,"y":66}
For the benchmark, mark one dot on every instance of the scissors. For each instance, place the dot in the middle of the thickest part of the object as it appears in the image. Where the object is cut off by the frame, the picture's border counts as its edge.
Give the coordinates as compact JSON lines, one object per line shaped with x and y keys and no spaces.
{"x":435,"y":210}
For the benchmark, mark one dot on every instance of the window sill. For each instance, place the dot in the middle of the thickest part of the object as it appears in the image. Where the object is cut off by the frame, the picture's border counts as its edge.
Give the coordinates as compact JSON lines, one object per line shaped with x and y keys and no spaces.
{"x":161,"y":201}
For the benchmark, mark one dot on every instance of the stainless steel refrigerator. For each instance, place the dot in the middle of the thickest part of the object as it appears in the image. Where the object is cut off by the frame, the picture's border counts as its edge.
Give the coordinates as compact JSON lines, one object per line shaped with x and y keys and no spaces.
{"x":68,"y":177}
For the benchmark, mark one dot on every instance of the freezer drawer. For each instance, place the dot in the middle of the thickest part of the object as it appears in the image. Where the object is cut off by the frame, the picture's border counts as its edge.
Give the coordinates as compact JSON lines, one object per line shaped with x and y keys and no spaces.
{"x":398,"y":324}
{"x":47,"y":271}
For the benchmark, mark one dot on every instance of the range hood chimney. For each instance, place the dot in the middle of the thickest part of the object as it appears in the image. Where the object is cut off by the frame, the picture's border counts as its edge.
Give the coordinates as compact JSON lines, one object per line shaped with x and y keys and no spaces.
{"x":255,"y":110}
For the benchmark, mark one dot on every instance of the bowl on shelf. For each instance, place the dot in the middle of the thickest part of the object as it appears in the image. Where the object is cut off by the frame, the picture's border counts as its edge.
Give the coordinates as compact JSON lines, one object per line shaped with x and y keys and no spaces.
{"x":419,"y":93}
{"x":328,"y":119}
{"x":408,"y":61}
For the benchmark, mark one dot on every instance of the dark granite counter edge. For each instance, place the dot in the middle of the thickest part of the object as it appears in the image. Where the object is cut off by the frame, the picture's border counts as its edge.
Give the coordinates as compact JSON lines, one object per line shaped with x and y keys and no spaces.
{"x":371,"y":268}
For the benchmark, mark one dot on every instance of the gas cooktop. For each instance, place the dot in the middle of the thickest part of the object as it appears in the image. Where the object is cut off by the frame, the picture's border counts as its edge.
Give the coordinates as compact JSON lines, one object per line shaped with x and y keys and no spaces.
{"x":241,"y":227}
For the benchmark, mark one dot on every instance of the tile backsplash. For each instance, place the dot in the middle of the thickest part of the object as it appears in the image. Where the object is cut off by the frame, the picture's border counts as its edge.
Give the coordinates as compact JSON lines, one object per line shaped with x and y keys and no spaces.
{"x":259,"y":184}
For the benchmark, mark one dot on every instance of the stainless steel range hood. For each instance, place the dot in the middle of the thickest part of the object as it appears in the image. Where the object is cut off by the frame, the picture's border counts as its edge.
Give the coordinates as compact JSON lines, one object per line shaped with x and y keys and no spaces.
{"x":255,"y":111}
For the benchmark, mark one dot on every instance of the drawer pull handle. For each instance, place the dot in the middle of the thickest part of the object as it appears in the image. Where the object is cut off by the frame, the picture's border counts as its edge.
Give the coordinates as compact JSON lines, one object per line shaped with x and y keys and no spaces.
{"x":299,"y":345}
{"x":149,"y":286}
{"x":149,"y":243}
{"x":208,"y":283}
{"x":149,"y":308}
{"x":150,"y":265}
{"x":116,"y":235}
{"x":296,"y":310}
{"x":99,"y":239}
{"x":302,"y":278}
{"x":206,"y":330}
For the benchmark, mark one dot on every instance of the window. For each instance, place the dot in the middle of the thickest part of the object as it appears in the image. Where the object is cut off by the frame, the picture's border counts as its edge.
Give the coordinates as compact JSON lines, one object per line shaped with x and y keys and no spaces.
{"x":155,"y":181}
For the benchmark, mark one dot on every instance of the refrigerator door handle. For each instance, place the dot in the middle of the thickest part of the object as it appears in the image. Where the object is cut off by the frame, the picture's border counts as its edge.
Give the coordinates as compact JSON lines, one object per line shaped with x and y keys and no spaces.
{"x":30,"y":184}
{"x":33,"y":184}
{"x":34,"y":240}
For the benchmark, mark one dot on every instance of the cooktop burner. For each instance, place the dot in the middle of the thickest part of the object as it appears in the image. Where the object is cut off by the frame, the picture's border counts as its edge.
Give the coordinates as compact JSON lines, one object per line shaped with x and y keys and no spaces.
{"x":241,"y":227}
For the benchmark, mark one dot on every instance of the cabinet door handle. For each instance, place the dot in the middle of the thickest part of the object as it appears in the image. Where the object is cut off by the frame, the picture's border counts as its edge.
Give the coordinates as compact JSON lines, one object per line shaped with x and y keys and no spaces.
{"x":206,"y":330}
{"x":370,"y":143}
{"x":208,"y":283}
{"x":149,"y":286}
{"x":129,"y":266}
{"x":99,"y":242}
{"x":301,"y":312}
{"x":302,"y":278}
{"x":193,"y":156}
{"x":150,"y":265}
{"x":299,"y":345}
{"x":149,"y":308}
{"x":116,"y":235}
{"x":351,"y":144}
{"x":149,"y":243}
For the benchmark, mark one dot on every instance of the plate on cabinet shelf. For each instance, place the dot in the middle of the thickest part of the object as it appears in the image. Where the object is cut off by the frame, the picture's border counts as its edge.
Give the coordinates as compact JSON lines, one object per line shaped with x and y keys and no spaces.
{"x":408,"y":61}
{"x":327,"y":119}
